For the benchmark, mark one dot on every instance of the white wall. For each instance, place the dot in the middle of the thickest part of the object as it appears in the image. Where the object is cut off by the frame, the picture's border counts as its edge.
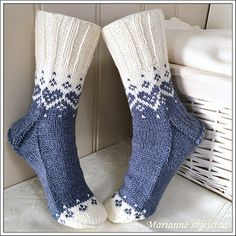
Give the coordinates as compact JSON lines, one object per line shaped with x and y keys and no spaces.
{"x":103,"y":117}
{"x":220,"y":16}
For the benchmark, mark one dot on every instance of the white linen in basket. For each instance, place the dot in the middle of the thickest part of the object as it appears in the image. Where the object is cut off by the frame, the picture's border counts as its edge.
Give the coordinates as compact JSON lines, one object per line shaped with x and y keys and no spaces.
{"x":209,"y":49}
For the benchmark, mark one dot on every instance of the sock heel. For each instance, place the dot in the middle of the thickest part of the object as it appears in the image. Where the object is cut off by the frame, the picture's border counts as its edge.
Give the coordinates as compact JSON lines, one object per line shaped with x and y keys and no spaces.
{"x":18,"y":130}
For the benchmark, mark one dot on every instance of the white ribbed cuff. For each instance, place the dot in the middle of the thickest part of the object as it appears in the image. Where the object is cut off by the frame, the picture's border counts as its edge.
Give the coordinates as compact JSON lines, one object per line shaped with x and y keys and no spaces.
{"x":64,"y":43}
{"x":137,"y":42}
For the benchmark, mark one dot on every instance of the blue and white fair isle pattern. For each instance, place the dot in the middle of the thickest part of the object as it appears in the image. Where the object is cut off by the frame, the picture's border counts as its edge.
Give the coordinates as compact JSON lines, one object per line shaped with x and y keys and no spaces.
{"x":152,"y":99}
{"x":45,"y":138}
{"x":58,"y":91}
{"x":122,"y":212}
{"x":149,"y":91}
{"x":83,"y":212}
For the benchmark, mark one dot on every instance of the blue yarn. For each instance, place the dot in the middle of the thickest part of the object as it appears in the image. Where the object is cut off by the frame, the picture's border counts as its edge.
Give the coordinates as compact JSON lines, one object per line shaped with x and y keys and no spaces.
{"x":163,"y":137}
{"x":45,"y":139}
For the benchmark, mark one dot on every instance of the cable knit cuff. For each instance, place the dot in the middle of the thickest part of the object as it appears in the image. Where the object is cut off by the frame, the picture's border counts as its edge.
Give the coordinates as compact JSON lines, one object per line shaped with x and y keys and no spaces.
{"x":137,"y":42}
{"x":64,"y":43}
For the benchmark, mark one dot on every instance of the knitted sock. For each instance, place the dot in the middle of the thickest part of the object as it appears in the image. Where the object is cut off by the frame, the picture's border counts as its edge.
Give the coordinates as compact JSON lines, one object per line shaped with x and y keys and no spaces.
{"x":164,"y":134}
{"x":45,"y":136}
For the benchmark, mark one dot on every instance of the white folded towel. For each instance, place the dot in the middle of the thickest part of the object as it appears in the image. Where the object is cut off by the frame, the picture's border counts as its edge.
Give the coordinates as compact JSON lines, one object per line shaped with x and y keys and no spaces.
{"x":175,"y":23}
{"x":209,"y":49}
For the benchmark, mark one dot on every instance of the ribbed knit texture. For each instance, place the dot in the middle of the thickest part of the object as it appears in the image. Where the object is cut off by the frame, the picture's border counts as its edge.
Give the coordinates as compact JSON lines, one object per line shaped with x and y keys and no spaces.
{"x":164,"y":134}
{"x":45,"y":136}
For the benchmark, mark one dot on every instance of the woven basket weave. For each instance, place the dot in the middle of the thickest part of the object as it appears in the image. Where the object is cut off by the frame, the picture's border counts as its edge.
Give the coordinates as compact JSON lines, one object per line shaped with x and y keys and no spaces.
{"x":211,"y":163}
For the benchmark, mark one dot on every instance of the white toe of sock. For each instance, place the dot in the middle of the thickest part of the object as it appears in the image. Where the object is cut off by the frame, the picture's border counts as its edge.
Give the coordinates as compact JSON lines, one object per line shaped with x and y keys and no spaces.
{"x":121,"y":212}
{"x":84,"y":215}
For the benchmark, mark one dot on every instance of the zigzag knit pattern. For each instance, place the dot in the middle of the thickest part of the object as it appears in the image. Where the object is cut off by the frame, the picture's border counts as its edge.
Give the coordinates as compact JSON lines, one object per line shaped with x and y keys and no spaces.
{"x":45,"y":136}
{"x":164,"y":134}
{"x":57,"y":92}
{"x":149,"y":91}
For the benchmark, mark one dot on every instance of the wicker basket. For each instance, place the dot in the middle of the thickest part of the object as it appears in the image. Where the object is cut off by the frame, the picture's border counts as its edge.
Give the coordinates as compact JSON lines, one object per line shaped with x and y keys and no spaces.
{"x":211,"y":163}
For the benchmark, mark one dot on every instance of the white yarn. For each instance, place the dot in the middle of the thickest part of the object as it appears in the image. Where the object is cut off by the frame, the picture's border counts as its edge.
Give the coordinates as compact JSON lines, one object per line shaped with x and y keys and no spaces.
{"x":64,"y":49}
{"x":137,"y":42}
{"x":117,"y":206}
{"x":64,"y":42}
{"x":94,"y":214}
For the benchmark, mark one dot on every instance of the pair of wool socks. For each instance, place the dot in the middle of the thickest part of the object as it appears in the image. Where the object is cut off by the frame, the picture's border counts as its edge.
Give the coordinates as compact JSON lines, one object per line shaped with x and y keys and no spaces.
{"x":164,"y":134}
